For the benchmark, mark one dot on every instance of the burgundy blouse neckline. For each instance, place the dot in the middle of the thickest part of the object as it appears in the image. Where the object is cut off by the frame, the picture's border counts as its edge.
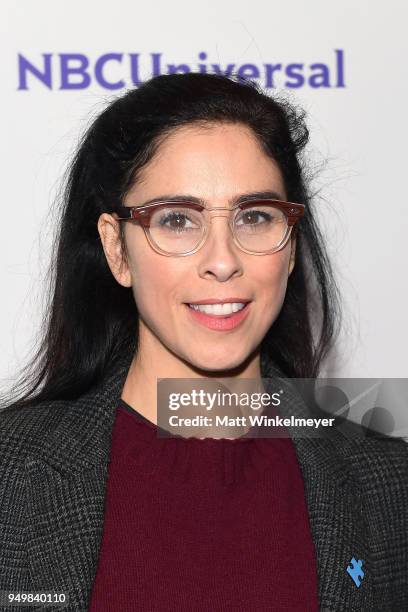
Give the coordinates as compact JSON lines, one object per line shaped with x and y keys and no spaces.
{"x":191,"y":439}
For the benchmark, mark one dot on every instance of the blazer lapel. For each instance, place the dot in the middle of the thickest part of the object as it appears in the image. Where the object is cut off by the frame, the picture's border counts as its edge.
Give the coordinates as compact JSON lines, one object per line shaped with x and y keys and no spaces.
{"x":335,"y":507}
{"x":66,"y":483}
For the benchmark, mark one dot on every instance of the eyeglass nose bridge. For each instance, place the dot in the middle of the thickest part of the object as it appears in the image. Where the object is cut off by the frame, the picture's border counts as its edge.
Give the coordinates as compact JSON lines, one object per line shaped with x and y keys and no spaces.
{"x":229,"y":211}
{"x":228,"y":215}
{"x":207,"y":227}
{"x":207,"y":224}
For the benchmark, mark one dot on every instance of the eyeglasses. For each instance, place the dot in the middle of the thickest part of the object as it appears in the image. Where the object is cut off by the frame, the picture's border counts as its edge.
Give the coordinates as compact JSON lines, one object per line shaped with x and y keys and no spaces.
{"x":259,"y":227}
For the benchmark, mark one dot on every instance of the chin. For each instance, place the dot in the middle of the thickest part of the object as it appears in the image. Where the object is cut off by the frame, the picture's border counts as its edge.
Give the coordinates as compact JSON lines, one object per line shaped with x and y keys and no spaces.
{"x":218,"y":363}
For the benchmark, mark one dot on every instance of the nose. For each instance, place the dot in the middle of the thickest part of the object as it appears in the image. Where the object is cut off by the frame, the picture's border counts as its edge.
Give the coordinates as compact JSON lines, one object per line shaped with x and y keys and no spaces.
{"x":219,"y":258}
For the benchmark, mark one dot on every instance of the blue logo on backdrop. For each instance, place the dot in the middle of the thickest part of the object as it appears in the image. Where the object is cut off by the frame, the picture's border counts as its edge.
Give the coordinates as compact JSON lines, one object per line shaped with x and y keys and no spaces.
{"x":65,"y":71}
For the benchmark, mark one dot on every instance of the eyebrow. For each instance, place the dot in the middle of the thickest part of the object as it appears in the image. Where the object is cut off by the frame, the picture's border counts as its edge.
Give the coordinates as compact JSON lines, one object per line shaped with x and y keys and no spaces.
{"x":253,"y":195}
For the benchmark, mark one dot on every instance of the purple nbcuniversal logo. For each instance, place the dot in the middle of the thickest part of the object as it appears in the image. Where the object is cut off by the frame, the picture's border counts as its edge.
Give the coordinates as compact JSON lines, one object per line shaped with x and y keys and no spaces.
{"x":73,"y":71}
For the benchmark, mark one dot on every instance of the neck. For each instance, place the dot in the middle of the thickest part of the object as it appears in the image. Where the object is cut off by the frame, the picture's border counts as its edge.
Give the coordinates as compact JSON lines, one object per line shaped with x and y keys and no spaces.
{"x":153,"y":361}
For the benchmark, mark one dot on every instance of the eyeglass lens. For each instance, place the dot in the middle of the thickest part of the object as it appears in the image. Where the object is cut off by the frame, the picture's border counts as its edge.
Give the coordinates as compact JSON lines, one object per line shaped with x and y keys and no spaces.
{"x":179,"y":228}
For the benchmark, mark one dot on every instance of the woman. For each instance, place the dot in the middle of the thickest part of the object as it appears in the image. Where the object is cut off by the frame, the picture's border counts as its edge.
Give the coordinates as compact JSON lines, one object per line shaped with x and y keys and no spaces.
{"x":186,"y":192}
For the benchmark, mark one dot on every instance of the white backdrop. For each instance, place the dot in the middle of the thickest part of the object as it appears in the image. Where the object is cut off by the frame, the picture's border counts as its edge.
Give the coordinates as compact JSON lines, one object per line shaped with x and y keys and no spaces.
{"x":357,"y":117}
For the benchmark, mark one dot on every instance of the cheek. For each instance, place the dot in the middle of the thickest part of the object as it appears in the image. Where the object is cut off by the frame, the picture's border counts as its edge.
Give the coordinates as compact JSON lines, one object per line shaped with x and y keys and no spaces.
{"x":272,"y":278}
{"x":154,"y":284}
{"x":150,"y":290}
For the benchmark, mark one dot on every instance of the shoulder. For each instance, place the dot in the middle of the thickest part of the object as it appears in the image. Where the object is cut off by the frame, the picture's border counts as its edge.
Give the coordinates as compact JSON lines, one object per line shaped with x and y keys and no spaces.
{"x":366,"y":448}
{"x":24,"y":428}
{"x":379,"y":466}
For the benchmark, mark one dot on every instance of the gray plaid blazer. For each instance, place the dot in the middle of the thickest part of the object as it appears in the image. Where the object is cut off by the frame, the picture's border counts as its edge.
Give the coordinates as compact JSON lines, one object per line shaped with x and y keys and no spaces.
{"x":53,"y":470}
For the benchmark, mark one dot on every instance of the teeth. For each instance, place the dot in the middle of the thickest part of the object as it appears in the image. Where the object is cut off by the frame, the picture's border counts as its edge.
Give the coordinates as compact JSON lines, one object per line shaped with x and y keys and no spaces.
{"x":218,"y":309}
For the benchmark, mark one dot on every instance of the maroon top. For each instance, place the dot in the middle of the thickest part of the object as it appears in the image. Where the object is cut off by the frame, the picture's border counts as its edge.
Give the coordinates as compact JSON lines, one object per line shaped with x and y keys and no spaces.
{"x":212,"y":524}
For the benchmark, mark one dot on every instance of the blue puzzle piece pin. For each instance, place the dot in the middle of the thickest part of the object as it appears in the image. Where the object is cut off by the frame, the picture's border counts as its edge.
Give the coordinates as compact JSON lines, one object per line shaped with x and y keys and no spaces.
{"x":356,"y":571}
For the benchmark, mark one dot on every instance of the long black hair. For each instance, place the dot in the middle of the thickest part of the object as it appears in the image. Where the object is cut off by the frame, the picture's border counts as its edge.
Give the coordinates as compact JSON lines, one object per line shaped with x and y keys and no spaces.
{"x":90,"y":318}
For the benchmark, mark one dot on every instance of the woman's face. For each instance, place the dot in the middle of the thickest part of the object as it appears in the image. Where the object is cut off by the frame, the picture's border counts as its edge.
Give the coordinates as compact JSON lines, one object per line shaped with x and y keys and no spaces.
{"x":218,"y":164}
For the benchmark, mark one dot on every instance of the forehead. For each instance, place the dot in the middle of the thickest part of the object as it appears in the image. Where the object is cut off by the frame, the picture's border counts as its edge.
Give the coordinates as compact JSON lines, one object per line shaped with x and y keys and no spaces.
{"x":213,"y":159}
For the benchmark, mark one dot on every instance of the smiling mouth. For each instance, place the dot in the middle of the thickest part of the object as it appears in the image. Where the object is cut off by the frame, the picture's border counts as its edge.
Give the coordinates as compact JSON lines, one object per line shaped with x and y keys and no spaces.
{"x":219,"y":310}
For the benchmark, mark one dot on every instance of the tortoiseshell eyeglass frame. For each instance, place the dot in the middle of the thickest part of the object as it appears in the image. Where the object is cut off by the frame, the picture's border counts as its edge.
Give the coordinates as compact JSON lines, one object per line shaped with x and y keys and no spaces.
{"x":142,"y":214}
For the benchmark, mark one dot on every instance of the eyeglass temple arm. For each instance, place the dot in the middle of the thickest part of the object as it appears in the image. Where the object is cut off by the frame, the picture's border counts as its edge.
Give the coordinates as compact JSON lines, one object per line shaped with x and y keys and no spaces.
{"x":125,"y":213}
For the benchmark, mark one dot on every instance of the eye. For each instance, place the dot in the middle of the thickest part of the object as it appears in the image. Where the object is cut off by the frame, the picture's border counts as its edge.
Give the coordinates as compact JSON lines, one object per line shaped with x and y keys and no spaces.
{"x":253,"y":216}
{"x":177,"y":220}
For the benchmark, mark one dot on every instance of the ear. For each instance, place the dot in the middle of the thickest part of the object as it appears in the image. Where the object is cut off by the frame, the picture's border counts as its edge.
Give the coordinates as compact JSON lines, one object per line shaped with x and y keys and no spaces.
{"x":292,"y":254}
{"x":109,"y":232}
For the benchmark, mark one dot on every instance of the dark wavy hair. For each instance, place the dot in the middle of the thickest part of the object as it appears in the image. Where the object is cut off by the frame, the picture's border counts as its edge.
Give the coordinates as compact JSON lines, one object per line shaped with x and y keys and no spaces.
{"x":90,"y":318}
